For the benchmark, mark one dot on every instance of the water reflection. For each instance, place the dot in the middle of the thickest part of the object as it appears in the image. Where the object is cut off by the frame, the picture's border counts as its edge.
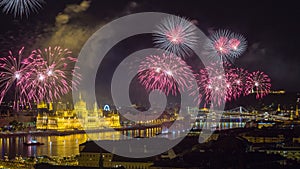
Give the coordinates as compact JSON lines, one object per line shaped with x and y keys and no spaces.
{"x":64,"y":146}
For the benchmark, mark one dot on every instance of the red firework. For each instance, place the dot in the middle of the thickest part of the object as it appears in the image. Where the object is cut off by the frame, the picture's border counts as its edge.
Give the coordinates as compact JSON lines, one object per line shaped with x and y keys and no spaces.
{"x":219,"y":83}
{"x":213,"y":85}
{"x":237,"y":78}
{"x":225,"y":45}
{"x":166,"y":73}
{"x":259,"y":83}
{"x":52,"y":76}
{"x":14,"y":72}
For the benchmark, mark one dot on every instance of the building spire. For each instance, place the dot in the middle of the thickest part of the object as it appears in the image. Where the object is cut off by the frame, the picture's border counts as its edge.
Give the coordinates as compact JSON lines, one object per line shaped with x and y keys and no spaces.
{"x":80,"y":97}
{"x":95,"y":108}
{"x":297,"y":108}
{"x":297,"y":111}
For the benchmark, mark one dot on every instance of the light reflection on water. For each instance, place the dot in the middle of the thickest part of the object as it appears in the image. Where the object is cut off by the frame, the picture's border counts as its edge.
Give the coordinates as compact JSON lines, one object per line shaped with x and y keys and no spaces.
{"x":61,"y":146}
{"x":64,"y":146}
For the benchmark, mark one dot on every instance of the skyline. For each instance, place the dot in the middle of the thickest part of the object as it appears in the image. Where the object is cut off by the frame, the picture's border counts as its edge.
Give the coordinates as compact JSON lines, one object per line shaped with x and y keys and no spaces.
{"x":149,"y":84}
{"x":263,"y":52}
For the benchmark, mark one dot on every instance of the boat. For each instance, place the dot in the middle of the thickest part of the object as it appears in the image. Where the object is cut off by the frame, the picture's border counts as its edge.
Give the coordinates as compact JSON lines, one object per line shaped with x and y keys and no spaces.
{"x":32,"y":143}
{"x":165,"y":131}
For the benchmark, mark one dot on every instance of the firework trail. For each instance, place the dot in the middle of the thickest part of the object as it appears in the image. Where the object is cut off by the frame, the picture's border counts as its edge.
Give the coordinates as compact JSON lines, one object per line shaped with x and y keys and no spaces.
{"x":52,"y":76}
{"x":176,"y":35}
{"x":21,"y":7}
{"x":166,"y":73}
{"x":14,"y":71}
{"x":258,"y":82}
{"x":224,"y":45}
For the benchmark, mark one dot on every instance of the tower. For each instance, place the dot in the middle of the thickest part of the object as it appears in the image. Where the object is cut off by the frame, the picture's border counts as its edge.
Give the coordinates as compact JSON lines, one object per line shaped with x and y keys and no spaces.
{"x":278,"y":108}
{"x":96,"y":109}
{"x":297,"y":108}
{"x":297,"y":111}
{"x":292,"y":115}
{"x":50,"y":106}
{"x":80,"y":108}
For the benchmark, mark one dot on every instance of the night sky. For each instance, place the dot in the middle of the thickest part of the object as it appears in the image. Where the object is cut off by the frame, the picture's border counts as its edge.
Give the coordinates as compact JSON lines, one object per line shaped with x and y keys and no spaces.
{"x":271,"y":29}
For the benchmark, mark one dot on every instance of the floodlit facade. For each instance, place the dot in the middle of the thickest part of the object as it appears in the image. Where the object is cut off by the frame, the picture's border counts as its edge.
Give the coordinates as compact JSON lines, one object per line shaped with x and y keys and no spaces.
{"x":78,"y":118}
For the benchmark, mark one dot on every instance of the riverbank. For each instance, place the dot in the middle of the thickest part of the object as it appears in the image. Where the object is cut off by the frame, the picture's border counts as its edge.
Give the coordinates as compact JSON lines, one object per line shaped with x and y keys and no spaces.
{"x":69,"y":132}
{"x":52,"y":132}
{"x":40,"y":133}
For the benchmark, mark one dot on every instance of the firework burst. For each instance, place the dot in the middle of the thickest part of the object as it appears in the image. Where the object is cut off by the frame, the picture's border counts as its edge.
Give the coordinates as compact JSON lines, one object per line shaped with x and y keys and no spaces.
{"x":237,"y":44}
{"x":176,"y":35}
{"x":21,"y":7}
{"x":213,"y":85}
{"x":14,"y":71}
{"x":52,"y":76}
{"x":237,"y":78}
{"x":166,"y":73}
{"x":224,"y":45}
{"x":259,"y":83}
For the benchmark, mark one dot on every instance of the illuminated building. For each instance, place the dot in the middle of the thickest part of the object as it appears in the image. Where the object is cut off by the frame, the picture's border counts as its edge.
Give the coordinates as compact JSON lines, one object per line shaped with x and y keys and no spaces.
{"x":60,"y":120}
{"x":42,"y":105}
{"x":78,"y":118}
{"x":94,"y":119}
{"x":263,"y":137}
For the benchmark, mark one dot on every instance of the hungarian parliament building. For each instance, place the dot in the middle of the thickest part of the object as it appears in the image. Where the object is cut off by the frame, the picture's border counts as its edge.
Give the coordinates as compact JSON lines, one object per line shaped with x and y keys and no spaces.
{"x":75,"y":119}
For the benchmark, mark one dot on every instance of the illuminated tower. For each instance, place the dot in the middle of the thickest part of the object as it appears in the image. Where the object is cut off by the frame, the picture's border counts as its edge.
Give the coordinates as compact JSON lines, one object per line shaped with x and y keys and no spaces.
{"x":297,"y":111}
{"x":95,"y":108}
{"x":292,"y":115}
{"x":42,"y":105}
{"x":297,"y":108}
{"x":278,"y":108}
{"x":80,"y":108}
{"x":50,"y":106}
{"x":96,"y":111}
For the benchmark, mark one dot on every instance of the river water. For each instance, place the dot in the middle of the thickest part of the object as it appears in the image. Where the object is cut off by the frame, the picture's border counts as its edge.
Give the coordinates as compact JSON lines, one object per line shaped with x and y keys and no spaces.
{"x":61,"y":146}
{"x":64,"y":146}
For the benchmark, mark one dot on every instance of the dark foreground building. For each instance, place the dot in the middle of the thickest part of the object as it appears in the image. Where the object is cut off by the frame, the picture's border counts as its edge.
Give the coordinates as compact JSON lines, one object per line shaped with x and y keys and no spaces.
{"x":49,"y":166}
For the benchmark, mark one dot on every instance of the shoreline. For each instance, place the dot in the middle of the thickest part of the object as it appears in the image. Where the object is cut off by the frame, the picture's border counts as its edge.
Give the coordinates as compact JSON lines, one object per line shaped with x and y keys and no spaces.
{"x":68,"y":132}
{"x":54,"y":132}
{"x":40,"y":133}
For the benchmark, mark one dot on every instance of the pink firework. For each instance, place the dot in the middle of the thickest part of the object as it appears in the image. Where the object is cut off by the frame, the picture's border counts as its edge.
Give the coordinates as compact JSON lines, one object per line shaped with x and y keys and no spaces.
{"x":176,"y":35}
{"x":214,"y":86}
{"x":166,"y":73}
{"x":14,"y":72}
{"x":259,"y":83}
{"x":237,"y":78}
{"x":226,"y":46}
{"x":237,"y":44}
{"x":52,"y":76}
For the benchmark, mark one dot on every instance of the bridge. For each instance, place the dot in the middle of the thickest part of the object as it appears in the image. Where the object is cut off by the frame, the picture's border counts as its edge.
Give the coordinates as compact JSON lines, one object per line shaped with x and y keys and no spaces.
{"x":236,"y":111}
{"x":240,"y":110}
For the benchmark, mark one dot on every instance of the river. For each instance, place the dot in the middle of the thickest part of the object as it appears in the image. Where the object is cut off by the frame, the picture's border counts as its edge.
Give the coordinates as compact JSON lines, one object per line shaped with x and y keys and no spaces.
{"x":64,"y":146}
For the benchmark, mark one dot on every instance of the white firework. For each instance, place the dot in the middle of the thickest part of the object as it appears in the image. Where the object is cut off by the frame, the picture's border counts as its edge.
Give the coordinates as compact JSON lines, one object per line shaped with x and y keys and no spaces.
{"x":21,"y":7}
{"x":238,"y":44}
{"x":176,"y":35}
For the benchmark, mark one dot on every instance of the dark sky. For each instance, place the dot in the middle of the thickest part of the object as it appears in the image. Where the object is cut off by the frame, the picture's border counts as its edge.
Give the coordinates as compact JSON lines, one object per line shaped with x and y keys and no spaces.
{"x":271,"y":29}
